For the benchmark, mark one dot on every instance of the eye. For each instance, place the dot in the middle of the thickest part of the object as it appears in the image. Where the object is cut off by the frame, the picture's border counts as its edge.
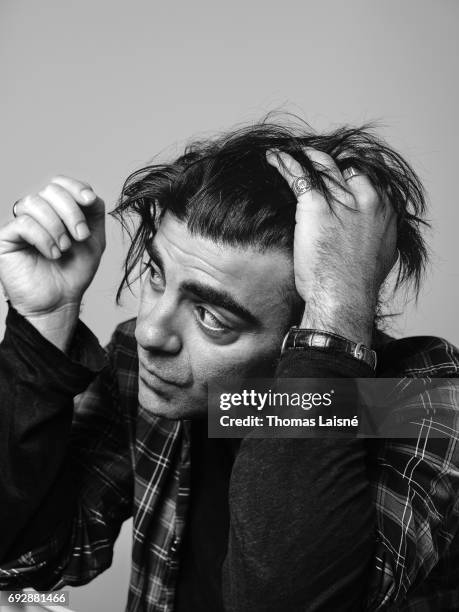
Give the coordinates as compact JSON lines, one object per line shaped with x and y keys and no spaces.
{"x":155,"y":276}
{"x":210,"y":321}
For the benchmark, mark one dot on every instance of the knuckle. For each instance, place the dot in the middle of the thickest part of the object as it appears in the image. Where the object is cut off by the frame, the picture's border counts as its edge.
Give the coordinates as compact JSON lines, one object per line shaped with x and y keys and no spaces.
{"x":26,"y":202}
{"x":50,"y":190}
{"x":368,"y":198}
{"x":325,"y":158}
{"x":320,"y":157}
{"x":24,"y":221}
{"x":59,"y":177}
{"x":77,"y":183}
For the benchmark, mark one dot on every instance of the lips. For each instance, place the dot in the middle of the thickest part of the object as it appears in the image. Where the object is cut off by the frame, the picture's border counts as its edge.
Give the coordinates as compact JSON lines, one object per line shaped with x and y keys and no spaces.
{"x":150,"y":376}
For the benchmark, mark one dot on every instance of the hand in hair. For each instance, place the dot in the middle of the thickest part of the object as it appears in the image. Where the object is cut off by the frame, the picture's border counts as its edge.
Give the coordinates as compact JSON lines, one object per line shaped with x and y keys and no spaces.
{"x":343,"y":248}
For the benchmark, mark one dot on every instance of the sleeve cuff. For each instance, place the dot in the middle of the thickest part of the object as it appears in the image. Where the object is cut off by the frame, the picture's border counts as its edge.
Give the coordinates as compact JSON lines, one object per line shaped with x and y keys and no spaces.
{"x":42,"y":360}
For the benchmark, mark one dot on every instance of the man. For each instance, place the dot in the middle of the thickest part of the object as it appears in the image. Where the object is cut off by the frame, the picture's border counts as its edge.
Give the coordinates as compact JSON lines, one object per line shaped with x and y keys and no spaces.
{"x":240,"y":238}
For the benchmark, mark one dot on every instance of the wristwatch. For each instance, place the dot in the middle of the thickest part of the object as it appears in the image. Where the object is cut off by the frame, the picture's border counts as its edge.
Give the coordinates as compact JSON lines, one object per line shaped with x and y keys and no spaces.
{"x":301,"y":338}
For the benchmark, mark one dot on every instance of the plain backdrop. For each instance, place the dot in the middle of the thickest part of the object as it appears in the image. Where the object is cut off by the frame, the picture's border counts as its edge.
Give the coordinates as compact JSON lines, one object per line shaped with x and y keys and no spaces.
{"x":95,"y":89}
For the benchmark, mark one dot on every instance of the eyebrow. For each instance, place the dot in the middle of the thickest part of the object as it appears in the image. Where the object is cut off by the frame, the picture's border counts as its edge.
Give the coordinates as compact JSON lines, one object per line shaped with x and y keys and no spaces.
{"x":221,"y":298}
{"x":217,"y":297}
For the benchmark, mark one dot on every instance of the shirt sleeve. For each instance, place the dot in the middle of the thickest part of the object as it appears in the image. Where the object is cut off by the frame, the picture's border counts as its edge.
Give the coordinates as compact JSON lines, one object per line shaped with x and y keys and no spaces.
{"x":65,"y":476}
{"x":415,"y":489}
{"x":302,"y":526}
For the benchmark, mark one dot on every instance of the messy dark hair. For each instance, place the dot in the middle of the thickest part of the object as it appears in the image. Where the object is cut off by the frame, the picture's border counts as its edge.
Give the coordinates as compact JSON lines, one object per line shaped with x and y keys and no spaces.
{"x":224,"y":189}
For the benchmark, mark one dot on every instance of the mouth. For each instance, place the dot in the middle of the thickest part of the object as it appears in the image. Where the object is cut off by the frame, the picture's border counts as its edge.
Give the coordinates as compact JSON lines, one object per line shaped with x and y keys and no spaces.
{"x":152,"y":379}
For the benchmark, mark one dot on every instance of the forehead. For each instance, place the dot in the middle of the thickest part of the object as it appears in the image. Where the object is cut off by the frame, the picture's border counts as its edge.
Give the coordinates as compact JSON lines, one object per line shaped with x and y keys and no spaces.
{"x":258,"y":279}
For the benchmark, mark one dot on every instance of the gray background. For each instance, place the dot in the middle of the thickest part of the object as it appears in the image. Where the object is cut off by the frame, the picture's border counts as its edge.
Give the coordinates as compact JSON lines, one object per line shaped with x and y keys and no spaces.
{"x":95,"y":89}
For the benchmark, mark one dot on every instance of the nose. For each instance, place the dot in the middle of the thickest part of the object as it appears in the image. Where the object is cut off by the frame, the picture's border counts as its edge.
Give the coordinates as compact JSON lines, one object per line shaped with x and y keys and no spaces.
{"x":157,"y":327}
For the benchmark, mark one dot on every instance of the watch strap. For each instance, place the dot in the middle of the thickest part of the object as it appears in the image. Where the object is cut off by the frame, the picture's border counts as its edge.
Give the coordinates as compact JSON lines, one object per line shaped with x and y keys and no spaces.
{"x":302,"y":338}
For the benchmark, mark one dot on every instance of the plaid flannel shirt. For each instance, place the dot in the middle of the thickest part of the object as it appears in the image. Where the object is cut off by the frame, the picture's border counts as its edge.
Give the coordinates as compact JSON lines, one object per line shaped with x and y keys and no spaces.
{"x":125,"y":463}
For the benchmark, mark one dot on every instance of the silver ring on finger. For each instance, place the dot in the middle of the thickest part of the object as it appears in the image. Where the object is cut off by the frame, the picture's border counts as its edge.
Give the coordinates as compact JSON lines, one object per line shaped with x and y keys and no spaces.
{"x":15,"y":214}
{"x":301,"y":185}
{"x":348,"y":173}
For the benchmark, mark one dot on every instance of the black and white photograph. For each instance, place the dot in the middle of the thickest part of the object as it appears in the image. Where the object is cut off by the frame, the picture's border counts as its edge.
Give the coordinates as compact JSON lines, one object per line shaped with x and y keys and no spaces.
{"x":229,"y":338}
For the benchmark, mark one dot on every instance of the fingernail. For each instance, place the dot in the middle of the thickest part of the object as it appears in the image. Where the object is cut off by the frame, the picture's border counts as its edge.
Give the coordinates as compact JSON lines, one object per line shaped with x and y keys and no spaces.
{"x":55,"y":253}
{"x":82,"y":230}
{"x":64,"y":242}
{"x":88,"y":196}
{"x":349,"y":172}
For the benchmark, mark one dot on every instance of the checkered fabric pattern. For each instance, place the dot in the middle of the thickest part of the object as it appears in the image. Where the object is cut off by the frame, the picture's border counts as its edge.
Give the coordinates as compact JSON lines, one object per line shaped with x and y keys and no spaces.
{"x":126,"y":463}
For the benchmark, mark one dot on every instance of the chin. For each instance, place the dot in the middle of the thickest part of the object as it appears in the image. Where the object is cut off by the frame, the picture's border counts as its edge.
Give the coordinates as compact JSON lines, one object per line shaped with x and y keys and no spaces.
{"x":168,"y":407}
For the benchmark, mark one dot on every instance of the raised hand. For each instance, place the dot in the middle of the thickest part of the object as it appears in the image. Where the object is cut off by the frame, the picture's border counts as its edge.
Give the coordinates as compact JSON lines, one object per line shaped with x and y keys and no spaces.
{"x":50,"y":252}
{"x":340,"y":257}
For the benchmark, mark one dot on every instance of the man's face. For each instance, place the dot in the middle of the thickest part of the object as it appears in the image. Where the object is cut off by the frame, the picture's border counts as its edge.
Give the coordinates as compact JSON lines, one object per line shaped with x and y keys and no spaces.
{"x":207,"y":312}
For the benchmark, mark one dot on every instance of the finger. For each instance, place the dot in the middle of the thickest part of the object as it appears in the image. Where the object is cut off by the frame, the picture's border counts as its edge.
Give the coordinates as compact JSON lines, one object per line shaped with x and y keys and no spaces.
{"x":331,"y":175}
{"x":291,"y":171}
{"x":287,"y":165}
{"x":365,"y":194}
{"x":25,"y":231}
{"x":82,"y":193}
{"x":325,"y":164}
{"x":39,"y":209}
{"x":310,"y":200}
{"x":94,"y":207}
{"x":68,"y":210}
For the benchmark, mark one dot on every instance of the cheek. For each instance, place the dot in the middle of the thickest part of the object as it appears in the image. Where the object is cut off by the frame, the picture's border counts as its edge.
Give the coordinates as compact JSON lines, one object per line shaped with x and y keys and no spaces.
{"x":252,"y":358}
{"x":262,"y":363}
